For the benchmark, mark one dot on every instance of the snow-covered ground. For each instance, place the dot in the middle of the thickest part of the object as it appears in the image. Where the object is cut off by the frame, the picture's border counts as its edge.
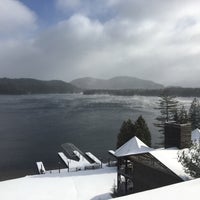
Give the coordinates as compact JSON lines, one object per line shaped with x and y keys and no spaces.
{"x":87,"y":185}
{"x":81,"y":185}
{"x":180,"y":191}
{"x":97,"y":184}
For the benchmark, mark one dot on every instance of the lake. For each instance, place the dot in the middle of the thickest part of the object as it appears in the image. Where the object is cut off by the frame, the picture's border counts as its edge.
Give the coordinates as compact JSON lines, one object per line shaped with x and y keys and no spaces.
{"x":33,"y":127}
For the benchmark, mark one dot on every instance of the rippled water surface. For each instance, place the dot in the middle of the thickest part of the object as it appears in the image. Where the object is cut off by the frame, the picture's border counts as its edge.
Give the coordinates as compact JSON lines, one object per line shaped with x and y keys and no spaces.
{"x":32,"y":127}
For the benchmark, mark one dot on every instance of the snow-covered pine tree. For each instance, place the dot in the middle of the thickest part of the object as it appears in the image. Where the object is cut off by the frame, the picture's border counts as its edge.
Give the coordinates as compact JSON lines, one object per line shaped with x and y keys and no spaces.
{"x":194,"y":114}
{"x":181,"y":116}
{"x":190,"y":159}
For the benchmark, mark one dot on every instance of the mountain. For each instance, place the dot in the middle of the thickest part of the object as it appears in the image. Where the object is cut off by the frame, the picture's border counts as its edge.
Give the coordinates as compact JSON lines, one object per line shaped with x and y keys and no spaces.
{"x":116,"y":83}
{"x":33,"y":86}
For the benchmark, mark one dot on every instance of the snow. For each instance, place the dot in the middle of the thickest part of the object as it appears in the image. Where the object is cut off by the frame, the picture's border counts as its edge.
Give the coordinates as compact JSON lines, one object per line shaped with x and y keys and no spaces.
{"x":195,"y":136}
{"x":180,"y":191}
{"x":40,"y":167}
{"x":132,"y":147}
{"x":97,"y":184}
{"x":82,"y":161}
{"x":111,"y":152}
{"x":82,"y":185}
{"x":169,"y":157}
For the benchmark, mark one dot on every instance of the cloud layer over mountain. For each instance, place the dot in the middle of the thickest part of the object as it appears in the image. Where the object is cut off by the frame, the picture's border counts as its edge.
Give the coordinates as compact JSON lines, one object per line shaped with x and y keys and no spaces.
{"x":150,"y":39}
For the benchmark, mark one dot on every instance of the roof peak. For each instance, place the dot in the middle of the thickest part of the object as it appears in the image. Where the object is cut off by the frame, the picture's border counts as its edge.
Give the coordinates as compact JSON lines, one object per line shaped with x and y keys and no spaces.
{"x":132,"y":147}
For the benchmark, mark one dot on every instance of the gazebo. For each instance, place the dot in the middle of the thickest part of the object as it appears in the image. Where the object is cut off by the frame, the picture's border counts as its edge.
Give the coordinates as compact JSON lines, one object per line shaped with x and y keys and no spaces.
{"x":141,"y":167}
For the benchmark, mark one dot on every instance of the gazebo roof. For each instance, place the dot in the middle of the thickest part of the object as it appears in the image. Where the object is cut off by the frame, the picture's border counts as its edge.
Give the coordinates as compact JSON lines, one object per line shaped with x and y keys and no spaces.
{"x":132,"y":147}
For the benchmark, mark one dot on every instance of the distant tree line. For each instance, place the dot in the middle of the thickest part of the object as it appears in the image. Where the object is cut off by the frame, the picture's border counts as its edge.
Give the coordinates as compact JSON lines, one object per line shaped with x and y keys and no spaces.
{"x":171,"y":91}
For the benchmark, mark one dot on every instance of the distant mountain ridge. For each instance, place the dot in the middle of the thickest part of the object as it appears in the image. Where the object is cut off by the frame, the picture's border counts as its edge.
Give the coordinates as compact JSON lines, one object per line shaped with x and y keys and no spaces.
{"x":115,"y":83}
{"x":34,"y":86}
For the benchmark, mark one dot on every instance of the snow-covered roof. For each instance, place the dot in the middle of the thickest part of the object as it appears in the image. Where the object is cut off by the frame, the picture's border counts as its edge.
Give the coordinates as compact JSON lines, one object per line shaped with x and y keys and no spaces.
{"x":132,"y":147}
{"x":181,"y":191}
{"x":169,"y":157}
{"x":80,"y":185}
{"x":195,"y":136}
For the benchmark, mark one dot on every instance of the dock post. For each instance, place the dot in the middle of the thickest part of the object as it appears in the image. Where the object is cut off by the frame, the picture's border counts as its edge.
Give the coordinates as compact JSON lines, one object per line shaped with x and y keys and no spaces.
{"x":59,"y":167}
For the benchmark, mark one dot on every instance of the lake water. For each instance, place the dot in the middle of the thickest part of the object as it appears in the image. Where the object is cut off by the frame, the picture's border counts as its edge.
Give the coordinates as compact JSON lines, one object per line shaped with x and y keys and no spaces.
{"x":32,"y":127}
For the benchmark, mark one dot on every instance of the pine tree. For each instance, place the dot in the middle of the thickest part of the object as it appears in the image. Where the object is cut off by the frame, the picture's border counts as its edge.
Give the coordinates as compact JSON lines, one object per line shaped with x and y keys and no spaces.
{"x":181,"y":115}
{"x":176,"y":116}
{"x":142,"y":131}
{"x":190,"y":160}
{"x":194,"y":114}
{"x":168,"y":107}
{"x":129,"y":130}
{"x":126,"y":132}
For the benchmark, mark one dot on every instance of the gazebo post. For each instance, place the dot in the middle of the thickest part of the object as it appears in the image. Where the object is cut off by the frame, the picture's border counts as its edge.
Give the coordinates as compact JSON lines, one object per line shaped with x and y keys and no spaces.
{"x":126,"y":180}
{"x":118,"y":175}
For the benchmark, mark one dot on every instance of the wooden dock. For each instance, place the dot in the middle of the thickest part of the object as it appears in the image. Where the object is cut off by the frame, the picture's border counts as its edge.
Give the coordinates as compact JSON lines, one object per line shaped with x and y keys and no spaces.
{"x":82,"y":164}
{"x":64,"y":158}
{"x":73,"y":160}
{"x":112,"y":153}
{"x":93,"y":157}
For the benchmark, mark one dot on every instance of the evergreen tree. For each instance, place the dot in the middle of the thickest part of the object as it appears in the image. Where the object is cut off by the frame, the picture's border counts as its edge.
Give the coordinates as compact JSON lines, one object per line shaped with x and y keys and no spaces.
{"x":129,"y":130}
{"x":190,"y":160}
{"x":168,"y":107}
{"x":176,"y":116}
{"x":126,"y":133}
{"x":194,"y":114}
{"x":181,"y":115}
{"x":142,"y":131}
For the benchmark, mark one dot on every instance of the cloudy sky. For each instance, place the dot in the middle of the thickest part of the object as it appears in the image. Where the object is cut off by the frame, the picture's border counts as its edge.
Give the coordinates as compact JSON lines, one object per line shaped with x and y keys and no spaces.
{"x":66,"y":39}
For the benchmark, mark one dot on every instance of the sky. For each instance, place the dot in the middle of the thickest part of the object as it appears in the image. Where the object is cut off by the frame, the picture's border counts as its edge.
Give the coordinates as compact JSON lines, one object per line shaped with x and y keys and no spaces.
{"x":68,"y":39}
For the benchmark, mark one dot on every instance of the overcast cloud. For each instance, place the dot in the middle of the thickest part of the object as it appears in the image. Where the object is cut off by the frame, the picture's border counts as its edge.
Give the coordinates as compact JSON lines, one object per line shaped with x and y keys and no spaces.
{"x":150,"y":39}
